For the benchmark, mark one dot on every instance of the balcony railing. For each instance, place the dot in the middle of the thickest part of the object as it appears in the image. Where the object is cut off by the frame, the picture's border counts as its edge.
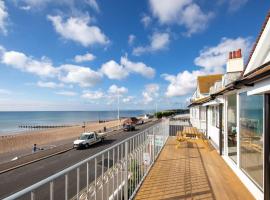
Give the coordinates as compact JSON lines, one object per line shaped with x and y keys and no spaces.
{"x":114,"y":173}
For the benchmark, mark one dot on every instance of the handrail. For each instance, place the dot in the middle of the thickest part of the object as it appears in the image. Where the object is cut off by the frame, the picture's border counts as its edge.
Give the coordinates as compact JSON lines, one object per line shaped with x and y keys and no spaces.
{"x":73,"y":167}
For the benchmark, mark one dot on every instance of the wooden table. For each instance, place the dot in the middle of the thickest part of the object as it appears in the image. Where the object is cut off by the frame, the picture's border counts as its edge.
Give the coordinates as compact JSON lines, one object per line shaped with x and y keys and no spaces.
{"x":191,"y":132}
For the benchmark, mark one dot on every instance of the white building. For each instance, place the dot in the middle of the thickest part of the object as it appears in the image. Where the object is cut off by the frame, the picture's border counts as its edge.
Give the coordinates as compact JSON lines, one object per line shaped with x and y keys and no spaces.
{"x":238,"y":115}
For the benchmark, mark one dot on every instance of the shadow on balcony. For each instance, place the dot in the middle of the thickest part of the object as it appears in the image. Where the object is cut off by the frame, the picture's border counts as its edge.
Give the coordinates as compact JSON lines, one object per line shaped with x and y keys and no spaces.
{"x":191,"y":170}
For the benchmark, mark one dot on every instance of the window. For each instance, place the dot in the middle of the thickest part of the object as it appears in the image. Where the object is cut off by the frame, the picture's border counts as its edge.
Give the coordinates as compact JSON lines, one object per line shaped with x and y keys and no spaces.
{"x":213,"y":115}
{"x":251,"y":136}
{"x":231,"y":124}
{"x":202,"y":113}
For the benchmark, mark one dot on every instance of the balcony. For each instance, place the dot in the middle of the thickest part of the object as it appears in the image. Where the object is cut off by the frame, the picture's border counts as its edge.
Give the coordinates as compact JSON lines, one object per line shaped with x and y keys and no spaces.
{"x":149,"y":165}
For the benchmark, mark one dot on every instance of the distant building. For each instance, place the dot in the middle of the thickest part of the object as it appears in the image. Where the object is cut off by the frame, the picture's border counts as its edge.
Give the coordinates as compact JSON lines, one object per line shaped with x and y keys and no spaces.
{"x":198,"y":112}
{"x":237,"y":115}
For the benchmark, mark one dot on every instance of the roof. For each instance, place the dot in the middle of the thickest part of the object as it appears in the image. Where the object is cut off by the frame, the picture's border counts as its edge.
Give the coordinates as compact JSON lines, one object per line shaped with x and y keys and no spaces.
{"x":200,"y":101}
{"x":205,"y":82}
{"x":258,"y":38}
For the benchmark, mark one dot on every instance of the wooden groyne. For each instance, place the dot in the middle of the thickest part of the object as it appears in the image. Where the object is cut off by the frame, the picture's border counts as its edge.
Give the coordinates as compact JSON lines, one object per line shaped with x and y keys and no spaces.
{"x":27,"y":126}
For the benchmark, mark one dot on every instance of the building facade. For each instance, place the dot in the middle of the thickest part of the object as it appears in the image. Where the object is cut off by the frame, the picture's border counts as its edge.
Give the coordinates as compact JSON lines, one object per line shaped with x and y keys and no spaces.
{"x":238,"y":115}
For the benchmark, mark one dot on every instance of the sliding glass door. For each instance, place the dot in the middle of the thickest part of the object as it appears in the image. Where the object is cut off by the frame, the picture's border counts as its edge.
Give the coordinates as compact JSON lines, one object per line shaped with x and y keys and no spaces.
{"x":232,"y":127}
{"x":251,"y":136}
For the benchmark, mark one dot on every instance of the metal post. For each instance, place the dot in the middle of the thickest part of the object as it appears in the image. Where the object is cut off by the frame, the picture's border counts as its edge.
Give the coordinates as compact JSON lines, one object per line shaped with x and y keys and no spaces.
{"x":87,"y":179}
{"x":78,"y":183}
{"x":118,"y":109}
{"x":107,"y":196}
{"x":33,"y":196}
{"x":95,"y":178}
{"x":117,"y":177}
{"x":51,"y":190}
{"x":102,"y":176}
{"x":113,"y":173}
{"x":126,"y":171}
{"x":154,"y":145}
{"x":66,"y":187}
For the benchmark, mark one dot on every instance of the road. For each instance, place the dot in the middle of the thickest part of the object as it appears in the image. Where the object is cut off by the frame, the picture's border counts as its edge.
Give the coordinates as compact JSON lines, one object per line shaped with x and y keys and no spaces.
{"x":23,"y":177}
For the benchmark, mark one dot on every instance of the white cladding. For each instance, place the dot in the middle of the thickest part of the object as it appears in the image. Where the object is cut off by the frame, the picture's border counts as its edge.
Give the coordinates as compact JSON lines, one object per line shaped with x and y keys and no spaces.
{"x":261,"y":54}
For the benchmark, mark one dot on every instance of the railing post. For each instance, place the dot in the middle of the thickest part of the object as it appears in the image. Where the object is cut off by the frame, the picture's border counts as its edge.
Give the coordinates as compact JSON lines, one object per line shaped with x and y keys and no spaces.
{"x":66,"y":187}
{"x":154,"y":145}
{"x":78,"y":183}
{"x":126,"y":172}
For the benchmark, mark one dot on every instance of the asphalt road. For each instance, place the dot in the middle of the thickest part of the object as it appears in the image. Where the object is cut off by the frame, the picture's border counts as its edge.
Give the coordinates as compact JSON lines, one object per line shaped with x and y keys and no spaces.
{"x":23,"y":177}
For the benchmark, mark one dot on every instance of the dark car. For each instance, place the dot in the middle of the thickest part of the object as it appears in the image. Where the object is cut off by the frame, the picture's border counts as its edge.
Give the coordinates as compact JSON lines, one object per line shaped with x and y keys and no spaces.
{"x":129,"y":127}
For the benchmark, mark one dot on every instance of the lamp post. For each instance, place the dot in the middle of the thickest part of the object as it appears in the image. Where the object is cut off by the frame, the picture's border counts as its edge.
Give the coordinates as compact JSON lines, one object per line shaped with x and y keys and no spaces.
{"x":118,"y":111}
{"x":83,"y":126}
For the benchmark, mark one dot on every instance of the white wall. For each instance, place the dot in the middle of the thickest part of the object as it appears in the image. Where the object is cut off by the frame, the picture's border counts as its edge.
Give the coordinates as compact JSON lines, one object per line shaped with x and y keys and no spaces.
{"x":213,"y":131}
{"x":261,"y":53}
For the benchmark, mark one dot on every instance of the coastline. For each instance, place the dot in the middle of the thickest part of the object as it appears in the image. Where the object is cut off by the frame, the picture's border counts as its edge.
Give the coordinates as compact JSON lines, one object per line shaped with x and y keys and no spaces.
{"x":25,"y":140}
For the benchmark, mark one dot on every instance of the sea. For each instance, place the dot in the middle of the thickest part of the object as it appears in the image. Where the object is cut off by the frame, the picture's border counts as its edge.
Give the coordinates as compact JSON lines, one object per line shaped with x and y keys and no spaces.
{"x":10,"y":121}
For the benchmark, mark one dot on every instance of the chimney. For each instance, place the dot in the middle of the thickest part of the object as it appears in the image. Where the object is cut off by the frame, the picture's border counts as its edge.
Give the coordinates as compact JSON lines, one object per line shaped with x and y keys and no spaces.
{"x":230,"y":55}
{"x":234,"y":54}
{"x":235,"y":62}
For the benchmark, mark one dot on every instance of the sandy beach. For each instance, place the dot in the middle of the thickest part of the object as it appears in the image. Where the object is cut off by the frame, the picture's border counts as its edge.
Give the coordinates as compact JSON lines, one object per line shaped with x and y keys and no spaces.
{"x":46,"y":137}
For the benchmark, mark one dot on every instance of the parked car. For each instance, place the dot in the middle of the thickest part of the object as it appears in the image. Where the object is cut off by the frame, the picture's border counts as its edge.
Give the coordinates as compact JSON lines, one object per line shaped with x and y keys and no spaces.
{"x":131,"y":120}
{"x":129,"y":127}
{"x":88,"y":139}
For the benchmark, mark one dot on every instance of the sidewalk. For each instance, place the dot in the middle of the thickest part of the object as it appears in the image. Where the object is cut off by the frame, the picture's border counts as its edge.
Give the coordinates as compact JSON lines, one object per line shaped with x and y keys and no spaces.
{"x":192,"y":170}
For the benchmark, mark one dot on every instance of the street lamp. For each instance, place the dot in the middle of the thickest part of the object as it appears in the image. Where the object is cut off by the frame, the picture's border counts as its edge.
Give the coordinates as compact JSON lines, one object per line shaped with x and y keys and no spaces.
{"x":118,"y":111}
{"x":83,"y":126}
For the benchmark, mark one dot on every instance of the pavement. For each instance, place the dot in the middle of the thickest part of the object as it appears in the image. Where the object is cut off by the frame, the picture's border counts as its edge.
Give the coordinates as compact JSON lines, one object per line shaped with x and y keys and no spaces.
{"x":19,"y":178}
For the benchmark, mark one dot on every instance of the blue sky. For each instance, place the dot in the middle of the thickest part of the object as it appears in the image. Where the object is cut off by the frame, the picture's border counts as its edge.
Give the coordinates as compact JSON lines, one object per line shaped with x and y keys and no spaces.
{"x":80,"y":55}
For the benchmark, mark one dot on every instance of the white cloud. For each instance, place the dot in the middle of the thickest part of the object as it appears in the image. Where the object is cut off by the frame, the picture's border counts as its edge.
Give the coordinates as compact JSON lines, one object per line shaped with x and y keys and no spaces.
{"x":150,"y":93}
{"x":66,"y":93}
{"x":159,"y":41}
{"x":181,"y":84}
{"x":49,"y":84}
{"x":182,"y":12}
{"x":92,"y":95}
{"x":42,"y":4}
{"x":131,"y":39}
{"x":78,"y":30}
{"x":83,"y":76}
{"x":3,"y":17}
{"x":113,"y":70}
{"x":233,"y":5}
{"x":18,"y":60}
{"x":128,"y":99}
{"x":146,"y":20}
{"x":138,"y":67}
{"x":213,"y":59}
{"x":84,"y":58}
{"x":115,"y":90}
{"x":93,"y":4}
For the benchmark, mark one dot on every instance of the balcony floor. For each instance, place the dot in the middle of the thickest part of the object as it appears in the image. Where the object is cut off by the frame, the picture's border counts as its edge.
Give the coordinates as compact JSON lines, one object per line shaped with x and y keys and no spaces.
{"x":191,"y":170}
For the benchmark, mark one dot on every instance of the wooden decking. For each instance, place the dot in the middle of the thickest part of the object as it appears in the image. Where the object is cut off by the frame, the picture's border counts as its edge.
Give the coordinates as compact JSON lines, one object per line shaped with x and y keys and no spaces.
{"x":191,"y":170}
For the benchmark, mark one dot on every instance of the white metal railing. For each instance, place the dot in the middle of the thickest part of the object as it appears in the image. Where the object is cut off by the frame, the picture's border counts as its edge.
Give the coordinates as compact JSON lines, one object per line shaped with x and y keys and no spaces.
{"x":114,"y":173}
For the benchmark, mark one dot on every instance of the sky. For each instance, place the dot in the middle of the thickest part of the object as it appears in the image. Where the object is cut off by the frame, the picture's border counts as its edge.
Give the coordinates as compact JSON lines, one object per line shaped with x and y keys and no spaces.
{"x":83,"y":55}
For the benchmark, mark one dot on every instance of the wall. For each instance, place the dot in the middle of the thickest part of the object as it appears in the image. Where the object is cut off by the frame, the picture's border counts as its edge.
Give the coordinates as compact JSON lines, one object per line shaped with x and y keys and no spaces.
{"x":213,"y":131}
